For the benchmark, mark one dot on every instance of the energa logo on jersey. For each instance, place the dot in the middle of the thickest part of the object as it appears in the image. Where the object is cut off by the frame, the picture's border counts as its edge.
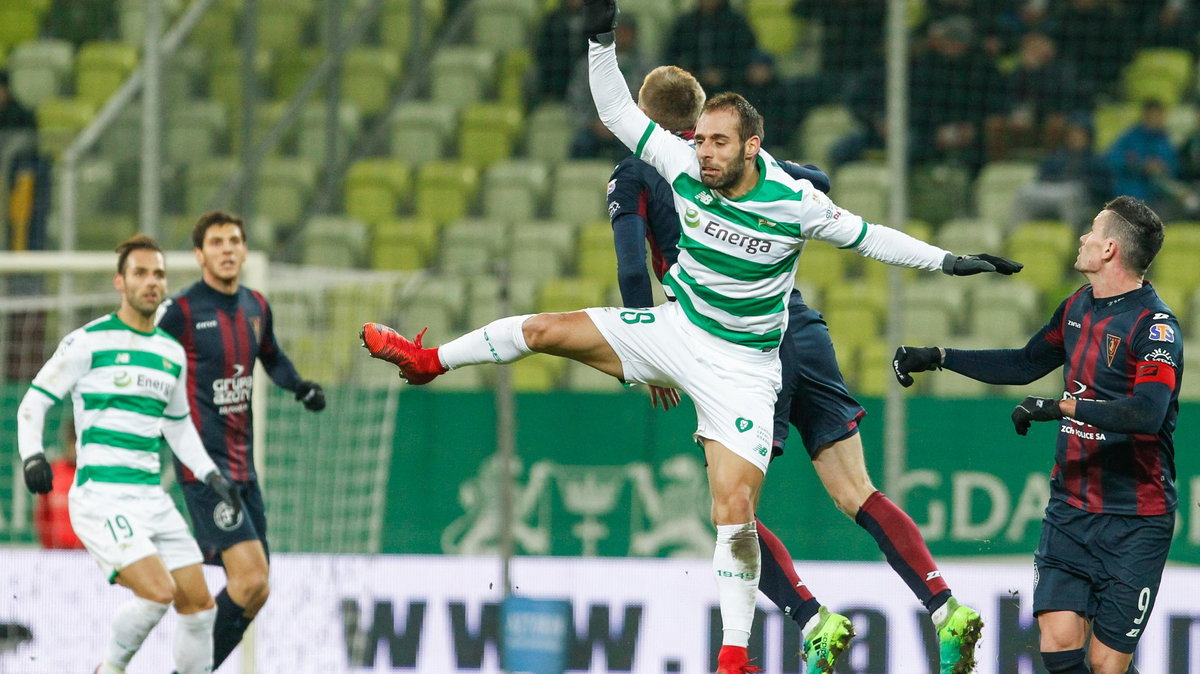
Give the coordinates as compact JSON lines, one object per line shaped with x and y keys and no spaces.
{"x":233,"y":390}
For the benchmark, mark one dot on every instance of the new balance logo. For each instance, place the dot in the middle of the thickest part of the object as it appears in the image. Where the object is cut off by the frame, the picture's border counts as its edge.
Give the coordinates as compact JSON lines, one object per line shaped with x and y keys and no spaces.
{"x":932,"y":574}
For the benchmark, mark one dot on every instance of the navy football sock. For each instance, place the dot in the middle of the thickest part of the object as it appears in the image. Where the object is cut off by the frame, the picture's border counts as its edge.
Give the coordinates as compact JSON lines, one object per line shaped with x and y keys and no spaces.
{"x":230,"y":626}
{"x":1065,"y":662}
{"x":902,"y":544}
{"x":778,"y":579}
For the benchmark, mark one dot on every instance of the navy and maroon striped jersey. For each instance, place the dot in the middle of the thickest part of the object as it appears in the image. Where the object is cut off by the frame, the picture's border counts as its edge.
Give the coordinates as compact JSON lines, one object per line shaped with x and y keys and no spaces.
{"x":1122,"y":360}
{"x":223,"y":335}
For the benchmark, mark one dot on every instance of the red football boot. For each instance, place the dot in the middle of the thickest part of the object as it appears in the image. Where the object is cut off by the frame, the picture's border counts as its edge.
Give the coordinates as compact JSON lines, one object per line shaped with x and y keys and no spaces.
{"x":734,"y":660}
{"x":417,"y":364}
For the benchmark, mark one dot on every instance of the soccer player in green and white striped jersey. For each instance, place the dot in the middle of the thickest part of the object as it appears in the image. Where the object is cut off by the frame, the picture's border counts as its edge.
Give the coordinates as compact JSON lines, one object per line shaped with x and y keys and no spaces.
{"x":744,"y":223}
{"x":127,"y":380}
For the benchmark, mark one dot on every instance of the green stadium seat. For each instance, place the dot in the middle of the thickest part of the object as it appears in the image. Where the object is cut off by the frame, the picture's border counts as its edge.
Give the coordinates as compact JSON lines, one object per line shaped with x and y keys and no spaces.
{"x":290,"y":73}
{"x":822,"y":264}
{"x":571,"y":294}
{"x":595,"y":234}
{"x":420,"y":130}
{"x":18,"y":24}
{"x":282,"y":24}
{"x":194,"y":130}
{"x":204,"y":179}
{"x":122,"y":140}
{"x":874,"y":369}
{"x":559,"y":236}
{"x":60,"y":120}
{"x":1052,"y":234}
{"x":515,"y":189}
{"x":490,"y":236}
{"x":376,"y":189}
{"x":966,"y":236}
{"x":101,"y":68}
{"x":578,"y":193}
{"x":420,"y":312}
{"x":939,"y":192}
{"x":537,"y":261}
{"x":1171,"y":68}
{"x":131,"y":18}
{"x":927,"y":324}
{"x":821,"y":128}
{"x":503,"y":24}
{"x":956,"y":386}
{"x":862,"y":188}
{"x":462,"y":75}
{"x":537,"y":373}
{"x":1111,"y":120}
{"x":396,"y":24}
{"x":857,"y":293}
{"x":488,"y":133}
{"x":39,"y":69}
{"x":97,"y":180}
{"x":551,"y":131}
{"x":285,"y":187}
{"x":330,"y":241}
{"x":1179,"y":268}
{"x":421,"y":235}
{"x":774,"y":25}
{"x":310,"y":141}
{"x":929,"y":292}
{"x":104,"y":232}
{"x":225,"y":75}
{"x":1183,"y":236}
{"x":996,"y":189}
{"x":442,"y":290}
{"x":216,"y":31}
{"x":368,"y":77}
{"x":1159,"y":87}
{"x":598,"y":262}
{"x":852,"y":326}
{"x":514,"y":75}
{"x":445,"y":190}
{"x":1175,"y":297}
{"x":1045,"y":268}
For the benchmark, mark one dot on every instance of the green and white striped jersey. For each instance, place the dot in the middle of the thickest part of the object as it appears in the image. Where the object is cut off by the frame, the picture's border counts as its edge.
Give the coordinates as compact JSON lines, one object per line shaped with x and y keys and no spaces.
{"x":738,"y":257}
{"x":125,"y":386}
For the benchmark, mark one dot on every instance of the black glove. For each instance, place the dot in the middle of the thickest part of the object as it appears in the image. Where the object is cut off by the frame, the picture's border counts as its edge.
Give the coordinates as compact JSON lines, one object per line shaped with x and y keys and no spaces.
{"x":1034,"y":408}
{"x":39,"y":478}
{"x":312,"y":395}
{"x":966,"y":265}
{"x":600,"y":20}
{"x":226,"y":490}
{"x":915,"y":359}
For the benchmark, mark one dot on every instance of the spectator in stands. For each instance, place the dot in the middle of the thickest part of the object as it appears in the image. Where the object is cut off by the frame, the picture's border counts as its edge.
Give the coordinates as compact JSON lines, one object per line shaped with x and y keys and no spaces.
{"x":1144,"y":161}
{"x":956,"y":90}
{"x":712,"y":41}
{"x":592,"y":139}
{"x":1044,"y":89}
{"x":561,"y":46}
{"x":781,"y":104}
{"x":1189,"y":171}
{"x":1166,"y":23}
{"x":1070,"y":181}
{"x":865,"y":97}
{"x":1094,"y":32}
{"x":851,"y":34}
{"x":13,"y":115}
{"x":80,"y":21}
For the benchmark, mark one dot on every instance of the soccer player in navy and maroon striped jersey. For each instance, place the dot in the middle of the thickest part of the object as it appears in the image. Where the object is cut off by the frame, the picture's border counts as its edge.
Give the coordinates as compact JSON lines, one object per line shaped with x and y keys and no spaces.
{"x":224,"y":327}
{"x":1108,"y":527}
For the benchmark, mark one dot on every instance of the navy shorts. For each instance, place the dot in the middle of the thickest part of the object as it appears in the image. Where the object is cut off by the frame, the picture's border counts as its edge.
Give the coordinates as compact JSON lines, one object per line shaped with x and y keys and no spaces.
{"x":1106,"y":567}
{"x":215,"y":530}
{"x":814,"y":397}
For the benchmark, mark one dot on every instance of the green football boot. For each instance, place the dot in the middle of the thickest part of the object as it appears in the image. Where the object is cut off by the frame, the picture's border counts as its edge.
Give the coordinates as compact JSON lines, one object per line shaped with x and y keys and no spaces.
{"x":957,"y":635}
{"x":825,"y":642}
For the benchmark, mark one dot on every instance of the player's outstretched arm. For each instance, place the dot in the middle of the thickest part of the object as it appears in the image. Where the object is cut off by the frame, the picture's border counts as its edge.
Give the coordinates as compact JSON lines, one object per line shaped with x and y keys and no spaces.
{"x":968,"y":265}
{"x":909,"y":359}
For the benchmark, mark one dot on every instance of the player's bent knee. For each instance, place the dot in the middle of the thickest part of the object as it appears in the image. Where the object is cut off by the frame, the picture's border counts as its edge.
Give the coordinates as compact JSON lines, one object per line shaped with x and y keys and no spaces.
{"x":542,"y":331}
{"x":159,"y":593}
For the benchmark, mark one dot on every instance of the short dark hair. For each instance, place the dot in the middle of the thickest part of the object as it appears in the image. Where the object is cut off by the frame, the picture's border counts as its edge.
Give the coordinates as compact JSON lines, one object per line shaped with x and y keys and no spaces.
{"x":671,"y":97}
{"x":750,"y":123}
{"x":212,"y":219}
{"x":1138,"y":229}
{"x":135,"y":242}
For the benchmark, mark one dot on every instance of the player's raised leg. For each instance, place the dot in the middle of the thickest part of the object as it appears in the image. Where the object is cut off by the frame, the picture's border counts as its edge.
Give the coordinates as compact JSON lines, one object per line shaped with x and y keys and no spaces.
{"x":842,"y":470}
{"x":569,"y":335}
{"x":826,"y":634}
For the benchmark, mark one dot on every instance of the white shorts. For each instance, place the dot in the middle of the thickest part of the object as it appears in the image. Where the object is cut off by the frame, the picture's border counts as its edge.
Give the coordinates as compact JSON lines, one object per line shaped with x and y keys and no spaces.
{"x":120,"y":527}
{"x":733,"y":387}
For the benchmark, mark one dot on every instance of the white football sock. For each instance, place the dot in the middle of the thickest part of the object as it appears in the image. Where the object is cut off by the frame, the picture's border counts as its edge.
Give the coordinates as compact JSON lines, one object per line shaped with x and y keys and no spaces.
{"x":194,"y":642}
{"x":501,"y":341}
{"x":737,"y":579}
{"x":131,"y":623}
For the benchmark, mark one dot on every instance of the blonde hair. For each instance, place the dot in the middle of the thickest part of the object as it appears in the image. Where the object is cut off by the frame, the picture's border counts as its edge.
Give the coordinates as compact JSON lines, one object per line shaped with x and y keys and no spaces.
{"x":672,"y":98}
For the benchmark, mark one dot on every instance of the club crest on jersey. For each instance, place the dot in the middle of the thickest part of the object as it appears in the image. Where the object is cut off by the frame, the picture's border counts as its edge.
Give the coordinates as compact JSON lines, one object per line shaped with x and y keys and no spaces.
{"x":1161,"y":332}
{"x":225,"y":518}
{"x":743,"y":424}
{"x":763,"y":222}
{"x":1111,"y":343}
{"x":612,"y":185}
